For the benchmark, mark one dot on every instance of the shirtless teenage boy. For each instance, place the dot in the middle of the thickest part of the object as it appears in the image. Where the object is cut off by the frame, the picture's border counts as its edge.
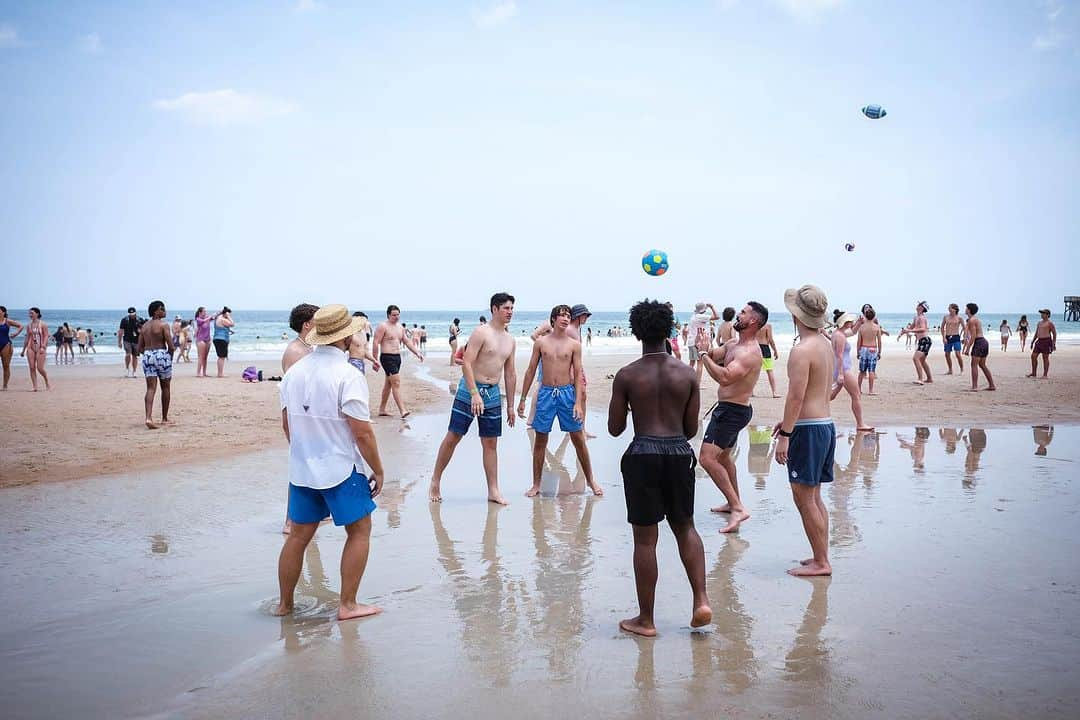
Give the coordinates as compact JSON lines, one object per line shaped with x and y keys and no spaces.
{"x":156,"y":347}
{"x":807,"y":442}
{"x":769,"y":355}
{"x":301,"y":322}
{"x":1043,"y":342}
{"x":978,"y":347}
{"x":920,"y":329}
{"x":869,"y":335}
{"x":489,"y":354}
{"x":559,"y":394}
{"x":951,"y":326}
{"x":736,"y":368}
{"x":389,"y":337}
{"x":658,"y":467}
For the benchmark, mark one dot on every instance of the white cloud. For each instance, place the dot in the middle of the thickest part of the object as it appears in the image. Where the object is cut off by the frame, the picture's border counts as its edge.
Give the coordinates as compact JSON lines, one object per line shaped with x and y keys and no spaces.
{"x":90,"y":44}
{"x":1048,"y":40}
{"x":1053,"y":9}
{"x":1051,"y":37}
{"x":304,"y":6}
{"x":495,"y":15}
{"x":9,"y":37}
{"x":808,"y":9}
{"x":225,"y":107}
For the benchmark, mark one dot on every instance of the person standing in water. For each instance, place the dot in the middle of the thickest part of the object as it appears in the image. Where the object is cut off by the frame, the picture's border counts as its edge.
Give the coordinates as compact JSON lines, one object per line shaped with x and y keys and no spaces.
{"x":807,"y":436}
{"x":389,"y":337}
{"x":658,"y":466}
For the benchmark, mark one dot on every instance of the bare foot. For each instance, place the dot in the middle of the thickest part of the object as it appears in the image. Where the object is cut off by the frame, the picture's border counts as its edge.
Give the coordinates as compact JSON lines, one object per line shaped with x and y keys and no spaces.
{"x":738,"y":517}
{"x":405,"y":414}
{"x":918,"y":382}
{"x":949,"y":373}
{"x":1030,"y":375}
{"x":807,"y":561}
{"x":973,"y":389}
{"x":702,"y":616}
{"x":870,"y":393}
{"x":168,"y":422}
{"x":811,"y":569}
{"x":497,"y":498}
{"x":283,"y":609}
{"x":992,"y":388}
{"x":725,"y":508}
{"x":357,"y":610}
{"x":533,"y":491}
{"x":434,"y":494}
{"x":596,"y":489}
{"x":150,"y":425}
{"x":383,"y":414}
{"x":637,"y":626}
{"x":865,"y":429}
{"x":775,"y":395}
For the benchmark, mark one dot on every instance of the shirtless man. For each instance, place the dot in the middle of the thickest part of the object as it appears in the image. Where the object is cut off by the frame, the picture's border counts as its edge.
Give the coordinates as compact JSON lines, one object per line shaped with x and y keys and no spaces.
{"x":559,"y":394}
{"x":579,"y":315}
{"x":769,"y":355}
{"x":300,"y":320}
{"x":736,"y":367}
{"x":807,"y":436}
{"x":951,"y":326}
{"x":1043,"y":342}
{"x":978,"y":347}
{"x":658,"y":467}
{"x":389,"y":337}
{"x":869,"y":334}
{"x":488,"y":354}
{"x":360,"y":346}
{"x":727,"y":328}
{"x":156,"y":347}
{"x":920,"y":329}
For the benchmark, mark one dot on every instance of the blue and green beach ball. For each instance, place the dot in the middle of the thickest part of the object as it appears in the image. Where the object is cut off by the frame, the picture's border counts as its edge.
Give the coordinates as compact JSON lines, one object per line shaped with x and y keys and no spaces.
{"x":655,"y":262}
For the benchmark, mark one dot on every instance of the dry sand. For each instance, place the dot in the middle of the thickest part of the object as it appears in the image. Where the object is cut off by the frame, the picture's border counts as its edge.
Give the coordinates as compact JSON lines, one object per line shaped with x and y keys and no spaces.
{"x":90,"y":423}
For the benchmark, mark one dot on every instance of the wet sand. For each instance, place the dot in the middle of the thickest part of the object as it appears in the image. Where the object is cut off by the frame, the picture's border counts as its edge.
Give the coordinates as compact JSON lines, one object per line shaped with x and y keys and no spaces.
{"x":91,"y":423}
{"x":956,"y":592}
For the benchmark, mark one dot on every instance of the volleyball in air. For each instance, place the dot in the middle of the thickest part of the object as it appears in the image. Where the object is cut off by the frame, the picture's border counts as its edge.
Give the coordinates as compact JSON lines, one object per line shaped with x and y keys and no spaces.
{"x":849,"y":246}
{"x":655,"y":262}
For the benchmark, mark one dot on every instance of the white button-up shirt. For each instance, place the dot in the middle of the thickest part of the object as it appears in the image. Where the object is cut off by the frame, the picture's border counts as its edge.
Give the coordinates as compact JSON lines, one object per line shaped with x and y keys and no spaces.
{"x":318,"y":391}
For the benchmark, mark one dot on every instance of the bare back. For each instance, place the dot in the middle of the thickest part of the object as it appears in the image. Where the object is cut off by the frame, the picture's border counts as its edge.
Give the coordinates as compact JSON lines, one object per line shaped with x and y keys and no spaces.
{"x":974,"y":327}
{"x":662,"y":395}
{"x":811,"y":362}
{"x":293,"y":352}
{"x":869,"y":334}
{"x":154,"y":335}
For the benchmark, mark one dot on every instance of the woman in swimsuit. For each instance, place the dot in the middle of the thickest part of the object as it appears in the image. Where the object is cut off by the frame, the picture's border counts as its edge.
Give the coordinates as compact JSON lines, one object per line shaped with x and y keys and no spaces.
{"x":37,"y":343}
{"x":1022,"y":330}
{"x":455,"y":330}
{"x":6,"y":347}
{"x":1005,"y":331}
{"x":202,"y":340}
{"x":844,"y":378}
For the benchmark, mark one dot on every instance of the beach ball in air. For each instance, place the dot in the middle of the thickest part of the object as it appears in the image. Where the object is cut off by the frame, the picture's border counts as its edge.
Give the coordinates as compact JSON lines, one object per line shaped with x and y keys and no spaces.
{"x":655,"y":262}
{"x":849,"y":246}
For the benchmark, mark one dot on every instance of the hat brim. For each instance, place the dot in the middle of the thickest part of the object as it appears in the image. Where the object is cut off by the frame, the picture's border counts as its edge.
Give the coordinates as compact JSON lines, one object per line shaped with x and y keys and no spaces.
{"x":316,"y":338}
{"x":815,"y":322}
{"x":1045,"y":311}
{"x":845,"y":319}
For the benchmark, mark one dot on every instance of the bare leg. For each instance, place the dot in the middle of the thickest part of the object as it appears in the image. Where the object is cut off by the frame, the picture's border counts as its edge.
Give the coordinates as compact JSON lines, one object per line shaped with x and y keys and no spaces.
{"x":815,"y":519}
{"x":1034,"y":361}
{"x":862,"y":375}
{"x":221,"y":367}
{"x":772,"y":383}
{"x":540,"y":442}
{"x":1046,"y":364}
{"x":5,"y":357}
{"x":490,"y":448}
{"x":291,"y":562}
{"x":692,"y":554}
{"x":582,"y":450}
{"x":354,"y":557}
{"x":852,"y":388}
{"x":721,"y":469}
{"x":974,"y":374}
{"x":166,"y":396}
{"x":645,"y":572}
{"x":41,"y":368}
{"x":918,"y":367}
{"x":948,"y":362}
{"x":986,"y":372}
{"x":385,"y":396}
{"x":148,"y":401}
{"x":442,"y":459}
{"x":395,"y":389}
{"x":31,"y":362}
{"x":926,"y":368}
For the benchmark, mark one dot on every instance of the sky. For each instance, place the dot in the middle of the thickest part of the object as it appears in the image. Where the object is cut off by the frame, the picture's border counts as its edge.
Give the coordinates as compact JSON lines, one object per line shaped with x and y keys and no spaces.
{"x":429,"y":154}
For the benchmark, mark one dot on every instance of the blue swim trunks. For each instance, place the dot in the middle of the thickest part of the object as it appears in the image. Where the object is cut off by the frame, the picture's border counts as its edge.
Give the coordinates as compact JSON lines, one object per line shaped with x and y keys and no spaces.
{"x":867,"y":360}
{"x":358,"y":364}
{"x":346,"y":503}
{"x":953,"y":344}
{"x":157,"y":363}
{"x":810,"y":452}
{"x":552,"y":401}
{"x":489,"y":421}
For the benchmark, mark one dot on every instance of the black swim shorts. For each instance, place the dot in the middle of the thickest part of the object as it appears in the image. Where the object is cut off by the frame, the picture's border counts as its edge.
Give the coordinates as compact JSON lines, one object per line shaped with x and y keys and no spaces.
{"x":391,"y":363}
{"x":658,"y":480}
{"x":924,"y":345}
{"x":980,"y":348}
{"x":766,"y":351}
{"x":221,"y":348}
{"x":728,"y":419}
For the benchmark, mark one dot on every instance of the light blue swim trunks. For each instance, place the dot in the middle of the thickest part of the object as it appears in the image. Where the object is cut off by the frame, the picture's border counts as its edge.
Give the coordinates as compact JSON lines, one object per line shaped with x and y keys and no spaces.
{"x":552,"y":401}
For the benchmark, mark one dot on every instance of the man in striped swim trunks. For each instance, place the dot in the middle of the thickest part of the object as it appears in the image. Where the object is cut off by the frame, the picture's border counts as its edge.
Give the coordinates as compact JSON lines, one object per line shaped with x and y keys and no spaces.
{"x":807,"y":441}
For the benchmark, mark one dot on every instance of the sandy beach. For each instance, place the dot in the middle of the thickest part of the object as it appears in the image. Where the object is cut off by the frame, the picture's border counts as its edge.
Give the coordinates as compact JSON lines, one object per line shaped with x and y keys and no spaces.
{"x":90,"y":423}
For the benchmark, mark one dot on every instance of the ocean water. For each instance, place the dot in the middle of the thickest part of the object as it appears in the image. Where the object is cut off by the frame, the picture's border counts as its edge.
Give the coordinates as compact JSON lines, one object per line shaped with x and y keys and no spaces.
{"x":261,"y":332}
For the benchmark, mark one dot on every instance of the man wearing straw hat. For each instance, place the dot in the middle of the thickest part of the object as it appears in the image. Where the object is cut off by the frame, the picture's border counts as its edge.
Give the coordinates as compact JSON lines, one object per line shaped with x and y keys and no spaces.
{"x":327,"y":421}
{"x":807,"y":439}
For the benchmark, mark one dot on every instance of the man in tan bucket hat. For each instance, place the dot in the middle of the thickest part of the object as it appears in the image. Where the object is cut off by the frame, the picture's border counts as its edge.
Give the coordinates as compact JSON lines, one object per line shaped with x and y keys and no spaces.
{"x":807,"y":440}
{"x":327,"y":421}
